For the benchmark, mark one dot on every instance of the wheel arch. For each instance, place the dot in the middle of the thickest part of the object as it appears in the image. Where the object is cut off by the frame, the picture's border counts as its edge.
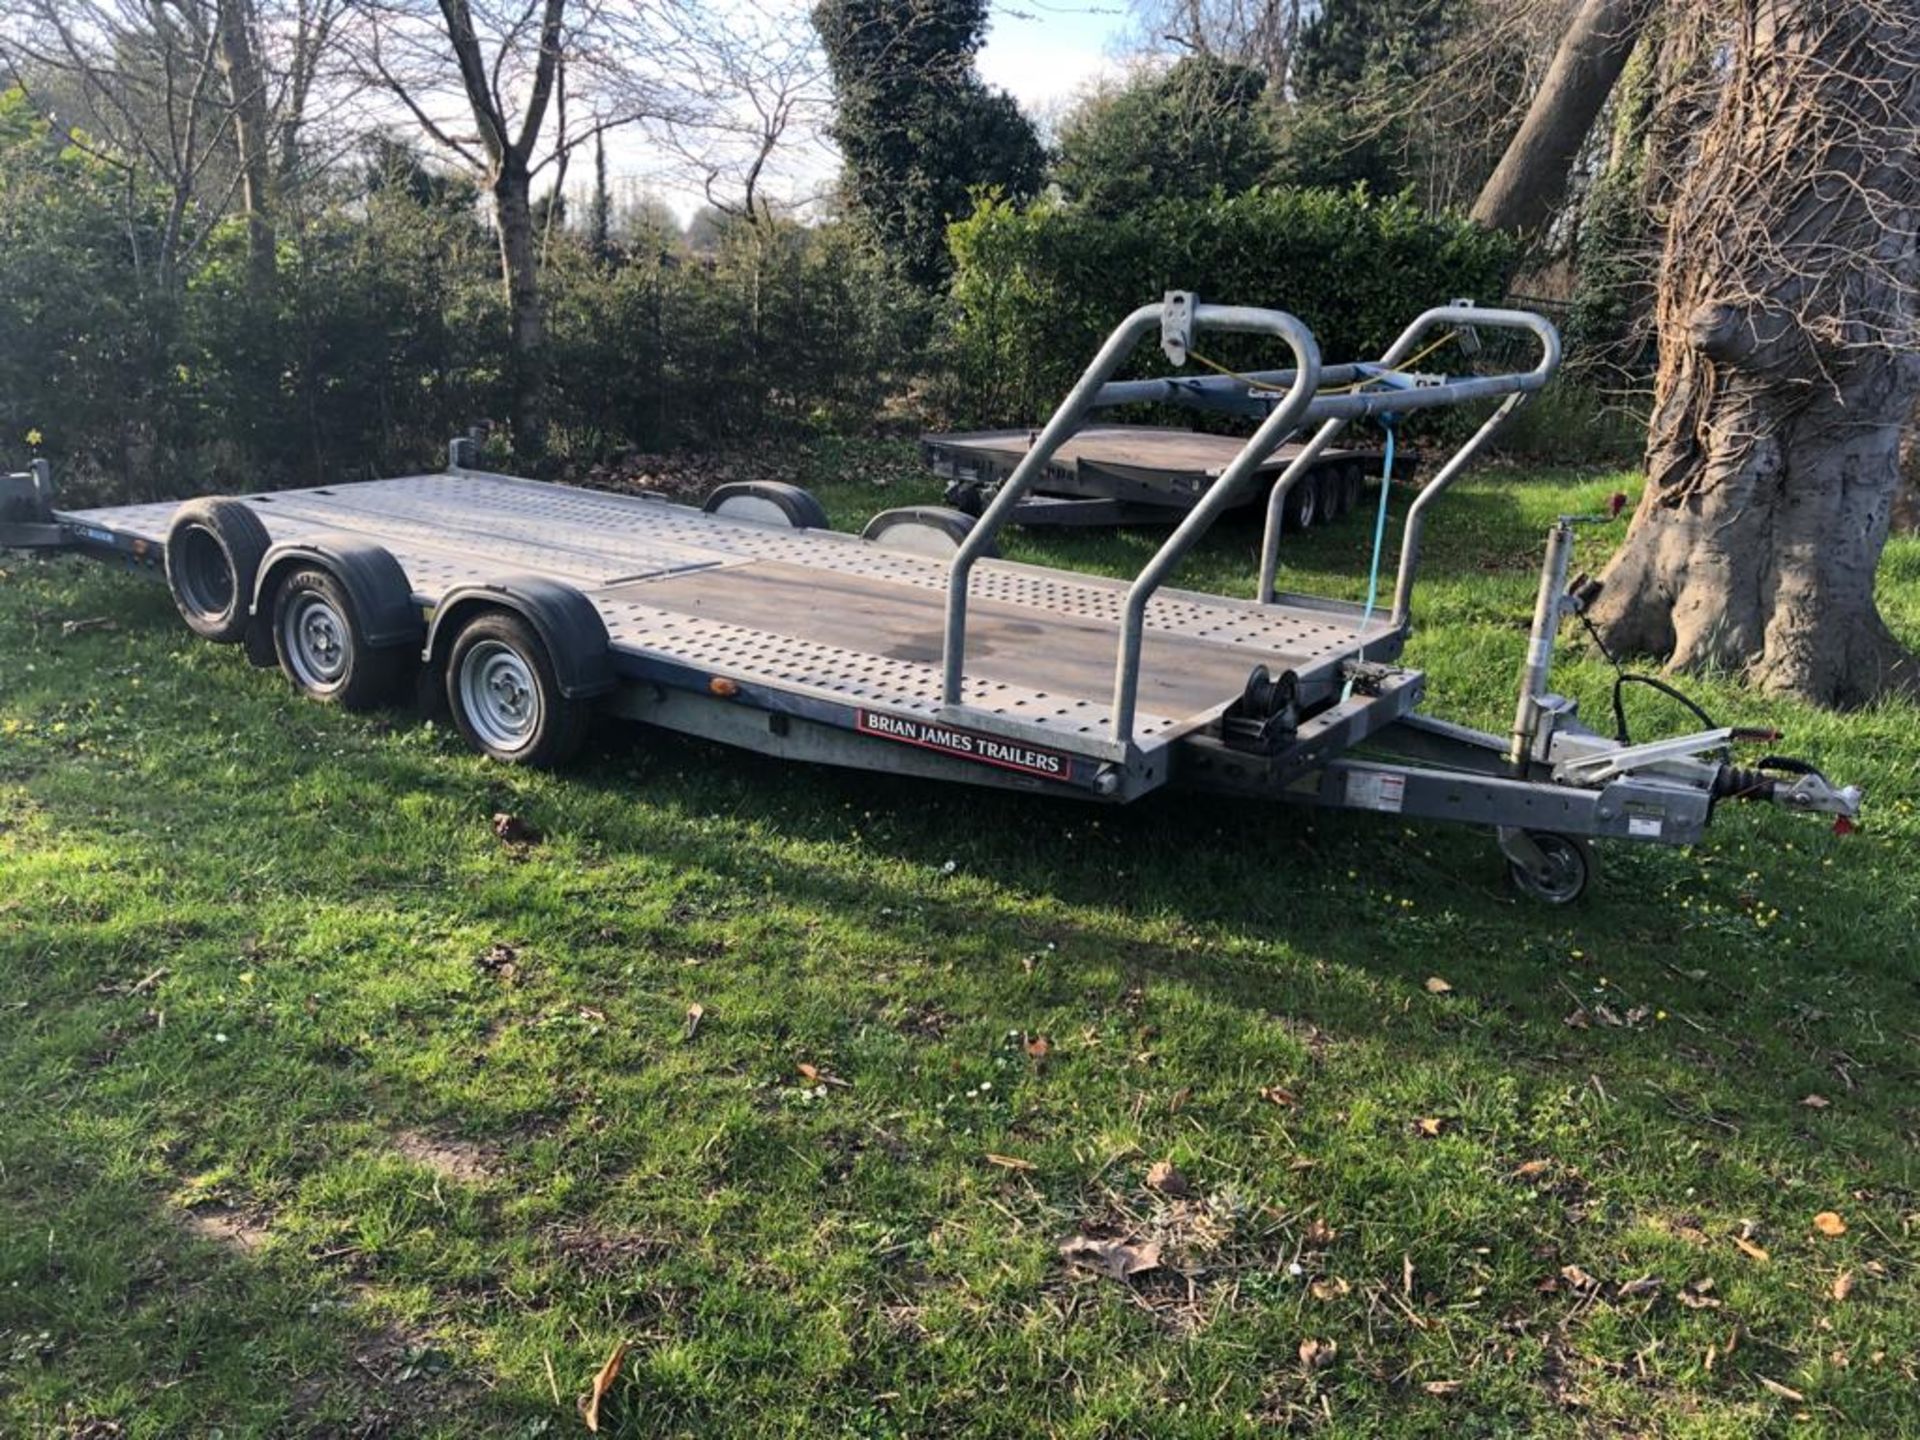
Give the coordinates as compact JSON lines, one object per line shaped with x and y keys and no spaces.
{"x":568,"y":624}
{"x":381,"y":593}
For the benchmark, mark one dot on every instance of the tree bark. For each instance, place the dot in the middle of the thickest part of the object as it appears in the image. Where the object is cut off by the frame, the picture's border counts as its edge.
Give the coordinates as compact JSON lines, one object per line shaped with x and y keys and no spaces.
{"x":1906,"y":503}
{"x":527,"y":334}
{"x":511,"y":182}
{"x":247,"y":94}
{"x":1787,"y":320}
{"x":1530,"y":179}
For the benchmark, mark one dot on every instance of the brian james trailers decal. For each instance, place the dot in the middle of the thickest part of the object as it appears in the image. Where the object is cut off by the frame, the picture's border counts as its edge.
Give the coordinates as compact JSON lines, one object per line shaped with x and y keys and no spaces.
{"x":966,"y":744}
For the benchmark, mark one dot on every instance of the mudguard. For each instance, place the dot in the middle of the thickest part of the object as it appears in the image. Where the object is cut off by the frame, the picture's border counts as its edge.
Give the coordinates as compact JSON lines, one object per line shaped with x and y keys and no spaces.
{"x":381,"y":593}
{"x":568,"y":624}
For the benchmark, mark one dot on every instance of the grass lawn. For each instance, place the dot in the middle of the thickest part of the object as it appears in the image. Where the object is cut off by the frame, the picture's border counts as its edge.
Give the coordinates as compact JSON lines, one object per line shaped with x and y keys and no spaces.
{"x":326,"y":1112}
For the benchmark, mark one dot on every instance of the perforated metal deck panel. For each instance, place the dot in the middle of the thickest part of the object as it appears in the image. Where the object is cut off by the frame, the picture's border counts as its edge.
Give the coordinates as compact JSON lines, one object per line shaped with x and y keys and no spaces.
{"x":656,"y":571}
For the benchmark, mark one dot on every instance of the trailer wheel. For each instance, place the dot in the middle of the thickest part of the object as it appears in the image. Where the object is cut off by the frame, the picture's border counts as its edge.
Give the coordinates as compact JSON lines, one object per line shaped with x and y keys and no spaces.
{"x":923,"y":530}
{"x":1333,"y":493}
{"x":1303,"y":504}
{"x":322,"y":645}
{"x":1560,"y":875}
{"x":214,"y":550}
{"x":505,"y":697}
{"x":1353,"y":486}
{"x":767,"y":502}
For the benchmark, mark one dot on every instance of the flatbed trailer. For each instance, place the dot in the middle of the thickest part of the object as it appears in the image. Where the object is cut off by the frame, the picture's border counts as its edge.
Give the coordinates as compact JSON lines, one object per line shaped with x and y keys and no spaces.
{"x":913,"y":650}
{"x":1143,"y":475}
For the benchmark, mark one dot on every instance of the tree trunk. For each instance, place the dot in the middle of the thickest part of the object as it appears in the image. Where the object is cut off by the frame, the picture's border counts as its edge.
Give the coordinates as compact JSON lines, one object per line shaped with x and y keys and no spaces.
{"x":1532,"y":175}
{"x":1906,"y":503}
{"x":526,"y":320}
{"x":246,"y":93}
{"x":1787,"y":364}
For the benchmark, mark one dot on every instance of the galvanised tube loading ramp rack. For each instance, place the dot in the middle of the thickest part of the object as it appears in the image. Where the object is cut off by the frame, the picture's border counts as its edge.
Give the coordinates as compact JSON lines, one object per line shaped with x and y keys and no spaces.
{"x":530,"y":606}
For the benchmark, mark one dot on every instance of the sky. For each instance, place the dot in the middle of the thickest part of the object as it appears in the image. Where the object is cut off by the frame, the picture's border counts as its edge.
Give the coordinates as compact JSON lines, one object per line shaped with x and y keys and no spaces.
{"x":1045,"y":53}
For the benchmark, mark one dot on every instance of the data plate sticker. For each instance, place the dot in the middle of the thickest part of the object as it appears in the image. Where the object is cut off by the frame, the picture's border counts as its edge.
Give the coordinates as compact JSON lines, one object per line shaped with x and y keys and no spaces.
{"x":1374,"y":790}
{"x":964,"y":744}
{"x":1644,"y":827}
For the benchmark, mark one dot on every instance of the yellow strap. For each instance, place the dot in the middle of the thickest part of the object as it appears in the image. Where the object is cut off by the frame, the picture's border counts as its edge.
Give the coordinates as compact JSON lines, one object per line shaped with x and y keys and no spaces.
{"x":1272,"y":389}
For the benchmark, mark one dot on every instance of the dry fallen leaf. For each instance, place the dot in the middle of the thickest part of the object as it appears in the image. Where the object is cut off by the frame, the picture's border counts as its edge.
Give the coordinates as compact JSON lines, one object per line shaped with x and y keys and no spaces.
{"x":1317,"y":1354}
{"x":1749,"y":1249}
{"x":1816,"y":1102}
{"x":1578,"y":1278}
{"x":1038,"y":1047}
{"x":1785,"y":1392}
{"x":1697,"y":1294}
{"x":1331,"y":1288}
{"x":1645,"y":1285}
{"x":1010,"y":1162}
{"x":1532,"y":1168}
{"x":1430,"y":1125}
{"x":1829,"y":1224}
{"x":1843,"y":1285}
{"x":1437,"y":986}
{"x":814,"y":1075}
{"x":1577,"y":1019}
{"x":602,"y":1383}
{"x":1167,"y":1180}
{"x":1318,"y":1233}
{"x":1118,"y":1258}
{"x":696,"y":1012}
{"x":1277,"y":1095}
{"x":1442,"y":1387}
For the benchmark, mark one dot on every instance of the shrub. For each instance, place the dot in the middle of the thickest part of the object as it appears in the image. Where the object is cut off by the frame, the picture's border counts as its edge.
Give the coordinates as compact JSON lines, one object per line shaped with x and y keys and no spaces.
{"x":1036,"y":291}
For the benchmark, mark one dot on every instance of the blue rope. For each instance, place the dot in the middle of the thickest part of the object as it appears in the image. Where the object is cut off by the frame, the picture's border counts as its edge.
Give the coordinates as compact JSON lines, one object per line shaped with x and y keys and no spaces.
{"x":1379,"y":524}
{"x":1387,"y":423}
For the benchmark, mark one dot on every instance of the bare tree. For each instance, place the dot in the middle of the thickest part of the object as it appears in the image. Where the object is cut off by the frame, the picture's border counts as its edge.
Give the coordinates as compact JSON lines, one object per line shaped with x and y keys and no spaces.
{"x":136,"y":84}
{"x":190,"y":98}
{"x":1531,"y":177}
{"x":763,"y":81}
{"x":236,"y":26}
{"x":1789,"y":330}
{"x":481,"y":80}
{"x":1260,"y":33}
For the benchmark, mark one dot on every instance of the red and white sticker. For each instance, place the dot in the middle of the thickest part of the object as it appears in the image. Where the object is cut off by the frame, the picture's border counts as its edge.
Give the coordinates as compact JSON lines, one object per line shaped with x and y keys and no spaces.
{"x":964,"y":744}
{"x":1376,"y":790}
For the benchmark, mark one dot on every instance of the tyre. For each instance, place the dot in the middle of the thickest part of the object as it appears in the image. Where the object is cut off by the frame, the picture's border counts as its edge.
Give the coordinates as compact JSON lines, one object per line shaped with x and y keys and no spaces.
{"x":1303,"y":504}
{"x":322,"y":646}
{"x":214,"y":550}
{"x":505,"y":697}
{"x":1353,"y":485}
{"x":767,"y":502}
{"x":1333,"y":493}
{"x":922,"y":530}
{"x":1561,"y":876}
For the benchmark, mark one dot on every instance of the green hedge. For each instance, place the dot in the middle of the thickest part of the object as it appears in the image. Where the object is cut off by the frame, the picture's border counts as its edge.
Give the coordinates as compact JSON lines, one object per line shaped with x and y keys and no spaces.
{"x":1036,"y":291}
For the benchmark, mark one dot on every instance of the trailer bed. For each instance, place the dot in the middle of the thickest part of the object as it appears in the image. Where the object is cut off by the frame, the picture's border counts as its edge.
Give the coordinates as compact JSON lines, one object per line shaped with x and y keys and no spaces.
{"x":811,"y":611}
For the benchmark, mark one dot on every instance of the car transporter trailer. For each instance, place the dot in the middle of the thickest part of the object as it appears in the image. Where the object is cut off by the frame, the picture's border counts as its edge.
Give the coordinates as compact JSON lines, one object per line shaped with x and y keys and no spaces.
{"x":1145,"y":474}
{"x":912,"y":650}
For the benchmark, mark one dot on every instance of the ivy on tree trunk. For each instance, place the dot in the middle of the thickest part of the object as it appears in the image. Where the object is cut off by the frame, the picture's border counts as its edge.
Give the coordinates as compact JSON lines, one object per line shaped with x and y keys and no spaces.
{"x":1787,"y":321}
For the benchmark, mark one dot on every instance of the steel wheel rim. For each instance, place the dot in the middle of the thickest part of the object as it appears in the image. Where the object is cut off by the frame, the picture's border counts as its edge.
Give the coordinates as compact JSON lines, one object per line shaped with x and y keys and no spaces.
{"x":1561,"y":877}
{"x":205,"y":578}
{"x":317,"y":642}
{"x":500,"y":696}
{"x":1309,"y":505}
